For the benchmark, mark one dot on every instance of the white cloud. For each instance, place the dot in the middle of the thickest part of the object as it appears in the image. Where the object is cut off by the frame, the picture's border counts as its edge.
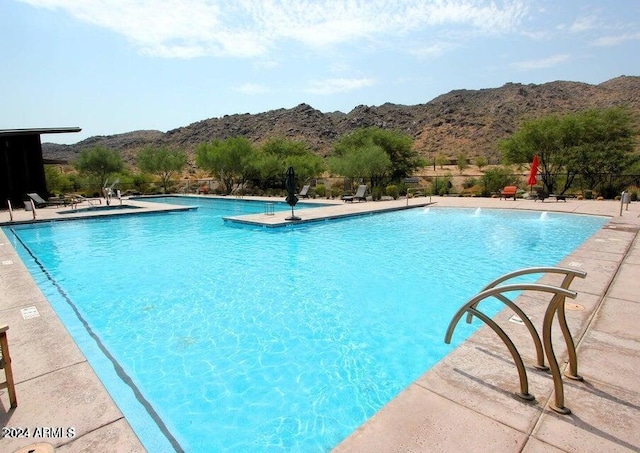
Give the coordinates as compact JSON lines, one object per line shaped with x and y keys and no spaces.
{"x":331,"y":86}
{"x":542,"y":63}
{"x":582,"y":24}
{"x":615,"y":40}
{"x":434,"y":50}
{"x":251,"y":88}
{"x":250,"y":28}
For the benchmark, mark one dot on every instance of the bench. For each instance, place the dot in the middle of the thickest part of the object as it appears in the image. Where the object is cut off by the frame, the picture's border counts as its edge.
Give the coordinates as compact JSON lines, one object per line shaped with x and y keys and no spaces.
{"x":559,"y":197}
{"x":541,"y":195}
{"x":413,"y":186}
{"x":508,"y":192}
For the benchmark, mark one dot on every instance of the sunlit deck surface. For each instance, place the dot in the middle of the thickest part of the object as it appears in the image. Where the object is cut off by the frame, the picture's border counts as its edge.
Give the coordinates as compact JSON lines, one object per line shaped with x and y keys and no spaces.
{"x":465,"y":403}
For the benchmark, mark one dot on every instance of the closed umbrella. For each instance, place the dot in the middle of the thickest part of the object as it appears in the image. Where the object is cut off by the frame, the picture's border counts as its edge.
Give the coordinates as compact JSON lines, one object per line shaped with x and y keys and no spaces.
{"x":534,"y":172}
{"x":290,"y":185}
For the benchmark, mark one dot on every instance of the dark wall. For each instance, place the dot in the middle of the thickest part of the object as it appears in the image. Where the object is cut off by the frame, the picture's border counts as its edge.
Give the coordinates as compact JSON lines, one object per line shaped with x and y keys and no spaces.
{"x":21,"y":169}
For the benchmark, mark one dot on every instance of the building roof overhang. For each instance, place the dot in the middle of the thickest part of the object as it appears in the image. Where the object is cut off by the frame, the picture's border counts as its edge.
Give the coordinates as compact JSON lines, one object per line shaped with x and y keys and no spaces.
{"x":38,"y":131}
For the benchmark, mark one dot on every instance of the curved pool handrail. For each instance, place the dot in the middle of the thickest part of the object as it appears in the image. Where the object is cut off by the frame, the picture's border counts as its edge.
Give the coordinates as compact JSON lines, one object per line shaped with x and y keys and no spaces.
{"x":570,"y":274}
{"x":522,"y":372}
{"x":537,"y":270}
{"x":499,"y":290}
{"x":559,"y":295}
{"x":528,"y":324}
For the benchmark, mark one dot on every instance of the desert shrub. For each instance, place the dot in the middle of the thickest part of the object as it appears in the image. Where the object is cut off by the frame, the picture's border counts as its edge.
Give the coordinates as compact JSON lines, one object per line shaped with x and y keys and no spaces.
{"x":475,"y":190}
{"x":336,"y":190}
{"x":376,"y":193}
{"x":442,"y":185}
{"x":321,"y":190}
{"x":469,"y":183}
{"x":495,"y":179}
{"x":588,"y":194}
{"x":57,"y":182}
{"x":611,"y":189}
{"x":392,"y":191}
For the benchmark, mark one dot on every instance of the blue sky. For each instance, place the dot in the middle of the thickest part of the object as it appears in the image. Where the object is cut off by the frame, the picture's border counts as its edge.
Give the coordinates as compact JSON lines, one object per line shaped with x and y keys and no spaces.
{"x":116,"y":66}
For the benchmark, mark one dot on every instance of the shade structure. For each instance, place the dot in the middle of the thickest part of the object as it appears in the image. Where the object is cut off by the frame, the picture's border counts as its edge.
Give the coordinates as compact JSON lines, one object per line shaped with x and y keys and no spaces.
{"x":534,"y":171}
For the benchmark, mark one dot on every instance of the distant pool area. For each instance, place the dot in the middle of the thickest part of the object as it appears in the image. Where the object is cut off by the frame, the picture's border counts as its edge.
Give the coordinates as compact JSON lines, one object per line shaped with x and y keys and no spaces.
{"x":298,"y":334}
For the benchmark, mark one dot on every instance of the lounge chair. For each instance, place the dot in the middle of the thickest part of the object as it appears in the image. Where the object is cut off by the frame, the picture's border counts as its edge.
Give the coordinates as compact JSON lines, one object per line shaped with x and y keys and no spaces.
{"x":40,"y":202}
{"x":359,"y":195}
{"x":304,"y":192}
{"x":541,"y":194}
{"x":76,"y":199}
{"x":508,"y":192}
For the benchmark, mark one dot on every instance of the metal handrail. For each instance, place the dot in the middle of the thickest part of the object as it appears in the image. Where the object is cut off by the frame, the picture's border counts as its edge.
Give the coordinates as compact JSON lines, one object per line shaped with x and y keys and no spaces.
{"x":536,"y":270}
{"x":570,"y":274}
{"x":555,"y":306}
{"x":10,"y":210}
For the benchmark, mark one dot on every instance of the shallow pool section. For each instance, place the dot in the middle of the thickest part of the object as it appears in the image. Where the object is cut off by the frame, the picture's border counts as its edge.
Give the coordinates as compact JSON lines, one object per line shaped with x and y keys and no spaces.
{"x":288,"y":339}
{"x":116,"y":207}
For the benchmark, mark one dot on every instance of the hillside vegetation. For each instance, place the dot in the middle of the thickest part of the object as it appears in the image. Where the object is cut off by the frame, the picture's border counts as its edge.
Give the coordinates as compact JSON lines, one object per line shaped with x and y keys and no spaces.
{"x":462,"y":121}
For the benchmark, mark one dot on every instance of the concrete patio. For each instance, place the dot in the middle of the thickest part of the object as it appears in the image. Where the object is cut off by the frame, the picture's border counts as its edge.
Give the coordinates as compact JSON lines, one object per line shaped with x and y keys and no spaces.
{"x":465,"y":403}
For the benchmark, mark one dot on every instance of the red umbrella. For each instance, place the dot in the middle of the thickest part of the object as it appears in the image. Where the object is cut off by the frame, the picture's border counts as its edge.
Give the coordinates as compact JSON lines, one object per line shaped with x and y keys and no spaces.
{"x":534,"y":171}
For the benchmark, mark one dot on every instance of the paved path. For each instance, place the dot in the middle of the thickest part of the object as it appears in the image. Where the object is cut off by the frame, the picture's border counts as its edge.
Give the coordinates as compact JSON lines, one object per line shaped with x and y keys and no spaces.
{"x":465,"y":403}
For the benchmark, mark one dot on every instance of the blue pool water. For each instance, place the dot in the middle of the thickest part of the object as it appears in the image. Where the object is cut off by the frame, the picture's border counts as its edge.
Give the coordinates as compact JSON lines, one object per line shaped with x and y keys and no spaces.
{"x":231,"y":338}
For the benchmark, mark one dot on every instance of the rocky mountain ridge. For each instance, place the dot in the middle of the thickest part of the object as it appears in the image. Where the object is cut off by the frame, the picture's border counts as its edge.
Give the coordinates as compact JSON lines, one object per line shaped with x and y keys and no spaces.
{"x":469,"y":121}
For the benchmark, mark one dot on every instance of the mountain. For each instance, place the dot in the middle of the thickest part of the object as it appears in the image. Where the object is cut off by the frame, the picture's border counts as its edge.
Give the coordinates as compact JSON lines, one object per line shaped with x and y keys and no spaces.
{"x":469,"y":121}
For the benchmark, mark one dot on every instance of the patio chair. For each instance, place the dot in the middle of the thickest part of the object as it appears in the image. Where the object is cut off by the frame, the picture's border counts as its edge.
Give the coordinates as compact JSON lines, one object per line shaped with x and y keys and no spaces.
{"x":40,"y":202}
{"x":359,"y":195}
{"x":508,"y":192}
{"x":304,"y":192}
{"x":5,"y":362}
{"x":541,"y":194}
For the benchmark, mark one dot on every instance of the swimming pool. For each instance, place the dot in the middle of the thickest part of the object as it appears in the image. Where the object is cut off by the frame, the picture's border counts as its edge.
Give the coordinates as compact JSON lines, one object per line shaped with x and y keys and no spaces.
{"x":250,"y":339}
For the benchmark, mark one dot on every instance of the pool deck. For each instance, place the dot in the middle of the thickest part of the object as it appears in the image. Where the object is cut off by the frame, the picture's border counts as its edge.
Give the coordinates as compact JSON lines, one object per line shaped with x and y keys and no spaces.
{"x":465,"y":403}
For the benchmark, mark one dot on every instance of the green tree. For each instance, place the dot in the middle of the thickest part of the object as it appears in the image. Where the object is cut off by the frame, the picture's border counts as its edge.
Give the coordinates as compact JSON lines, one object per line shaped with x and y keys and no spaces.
{"x":284,"y":147}
{"x":267,"y":169}
{"x":398,"y":147}
{"x":590,"y":142}
{"x":306,"y":166}
{"x":462,"y":162}
{"x":57,"y":181}
{"x":480,"y":162}
{"x":162,"y":162}
{"x":368,"y":161}
{"x":141,"y":182}
{"x":544,"y":138}
{"x":605,"y":144}
{"x":495,"y":179}
{"x":100,"y":163}
{"x":230,"y":159}
{"x":277,"y":154}
{"x":441,"y":160}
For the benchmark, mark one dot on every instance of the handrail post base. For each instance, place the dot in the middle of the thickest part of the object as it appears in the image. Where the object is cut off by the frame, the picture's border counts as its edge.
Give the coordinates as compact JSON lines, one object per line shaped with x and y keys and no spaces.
{"x":560,"y":410}
{"x":525,"y":396}
{"x":574,"y":377}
